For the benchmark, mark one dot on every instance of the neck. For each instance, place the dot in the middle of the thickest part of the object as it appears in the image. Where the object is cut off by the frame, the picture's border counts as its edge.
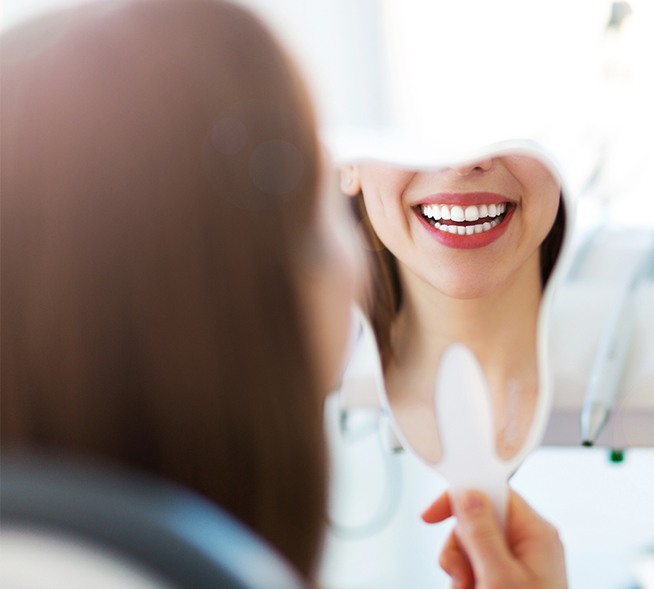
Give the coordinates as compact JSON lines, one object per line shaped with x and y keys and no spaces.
{"x":499,"y":327}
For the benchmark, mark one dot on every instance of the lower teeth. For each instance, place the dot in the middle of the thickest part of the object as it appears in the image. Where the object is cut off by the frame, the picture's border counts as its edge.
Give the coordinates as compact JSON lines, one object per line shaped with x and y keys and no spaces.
{"x":468,"y":229}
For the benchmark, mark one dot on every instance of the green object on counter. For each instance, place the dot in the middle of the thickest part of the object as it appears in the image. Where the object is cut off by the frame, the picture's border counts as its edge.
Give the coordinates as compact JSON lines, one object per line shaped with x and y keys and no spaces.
{"x":616,"y":456}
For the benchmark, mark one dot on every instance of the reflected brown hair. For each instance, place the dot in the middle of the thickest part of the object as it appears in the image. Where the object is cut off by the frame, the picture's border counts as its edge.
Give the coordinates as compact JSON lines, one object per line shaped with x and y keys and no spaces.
{"x":383,"y":298}
{"x":160,"y":167}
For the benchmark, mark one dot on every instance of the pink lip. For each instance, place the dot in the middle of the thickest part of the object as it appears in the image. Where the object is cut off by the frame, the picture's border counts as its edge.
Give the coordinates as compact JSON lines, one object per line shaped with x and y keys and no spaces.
{"x":477,"y":240}
{"x":463,"y":199}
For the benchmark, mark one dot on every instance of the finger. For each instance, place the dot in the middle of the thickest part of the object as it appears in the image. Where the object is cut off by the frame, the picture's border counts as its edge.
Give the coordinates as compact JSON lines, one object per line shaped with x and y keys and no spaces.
{"x":439,"y":510}
{"x":530,"y":533}
{"x":481,"y":536}
{"x":519,"y":508}
{"x":521,"y":517}
{"x":456,"y":584}
{"x":455,"y":563}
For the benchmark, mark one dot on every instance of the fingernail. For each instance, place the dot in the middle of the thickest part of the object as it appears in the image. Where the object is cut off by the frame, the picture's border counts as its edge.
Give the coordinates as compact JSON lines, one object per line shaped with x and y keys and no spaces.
{"x":471,"y":502}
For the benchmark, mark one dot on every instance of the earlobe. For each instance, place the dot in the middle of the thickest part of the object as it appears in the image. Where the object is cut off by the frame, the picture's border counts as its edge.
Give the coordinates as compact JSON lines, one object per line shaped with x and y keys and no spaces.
{"x":350,"y":183}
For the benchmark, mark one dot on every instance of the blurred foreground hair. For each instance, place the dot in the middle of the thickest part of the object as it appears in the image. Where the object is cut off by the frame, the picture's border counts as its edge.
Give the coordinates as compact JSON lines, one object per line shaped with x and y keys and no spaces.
{"x":159,"y":177}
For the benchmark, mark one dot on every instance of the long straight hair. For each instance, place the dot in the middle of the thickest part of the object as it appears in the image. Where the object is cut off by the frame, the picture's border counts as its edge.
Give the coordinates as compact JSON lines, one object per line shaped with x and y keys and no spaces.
{"x":159,"y":178}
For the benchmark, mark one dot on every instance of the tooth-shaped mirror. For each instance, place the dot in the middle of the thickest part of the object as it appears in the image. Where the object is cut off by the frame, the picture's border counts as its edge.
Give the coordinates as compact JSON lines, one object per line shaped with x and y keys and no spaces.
{"x":462,"y":254}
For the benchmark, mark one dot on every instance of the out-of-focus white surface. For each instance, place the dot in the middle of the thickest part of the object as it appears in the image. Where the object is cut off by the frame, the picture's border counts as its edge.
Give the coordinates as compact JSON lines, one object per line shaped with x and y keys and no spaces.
{"x":602,"y":510}
{"x":34,"y":559}
{"x":16,"y":11}
{"x":644,"y":570}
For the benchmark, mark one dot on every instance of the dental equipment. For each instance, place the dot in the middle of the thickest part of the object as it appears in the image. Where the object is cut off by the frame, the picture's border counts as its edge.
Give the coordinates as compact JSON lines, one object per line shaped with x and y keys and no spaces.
{"x":611,"y":357}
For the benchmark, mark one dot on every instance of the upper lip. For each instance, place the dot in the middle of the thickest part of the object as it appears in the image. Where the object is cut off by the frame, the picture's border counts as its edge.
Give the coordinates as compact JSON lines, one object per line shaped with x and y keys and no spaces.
{"x":463,"y":199}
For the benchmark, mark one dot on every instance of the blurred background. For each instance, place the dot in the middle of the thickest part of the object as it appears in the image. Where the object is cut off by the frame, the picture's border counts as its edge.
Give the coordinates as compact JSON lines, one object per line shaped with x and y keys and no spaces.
{"x":583,"y":74}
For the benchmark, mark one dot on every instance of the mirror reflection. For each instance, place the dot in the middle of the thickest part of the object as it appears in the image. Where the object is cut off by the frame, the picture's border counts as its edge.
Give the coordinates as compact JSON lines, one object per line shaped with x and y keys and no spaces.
{"x":459,"y":254}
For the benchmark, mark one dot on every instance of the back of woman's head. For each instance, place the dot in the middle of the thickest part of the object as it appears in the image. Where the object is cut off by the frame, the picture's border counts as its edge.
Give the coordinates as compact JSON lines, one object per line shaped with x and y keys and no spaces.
{"x":159,"y":178}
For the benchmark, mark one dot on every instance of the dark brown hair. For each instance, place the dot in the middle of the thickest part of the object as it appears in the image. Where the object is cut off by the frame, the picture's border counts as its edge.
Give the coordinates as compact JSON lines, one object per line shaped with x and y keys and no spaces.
{"x":383,"y":298}
{"x":159,"y":175}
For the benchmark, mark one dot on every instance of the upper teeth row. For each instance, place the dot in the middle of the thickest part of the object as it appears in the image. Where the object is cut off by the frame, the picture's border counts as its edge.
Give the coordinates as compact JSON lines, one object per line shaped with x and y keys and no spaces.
{"x":459,"y":213}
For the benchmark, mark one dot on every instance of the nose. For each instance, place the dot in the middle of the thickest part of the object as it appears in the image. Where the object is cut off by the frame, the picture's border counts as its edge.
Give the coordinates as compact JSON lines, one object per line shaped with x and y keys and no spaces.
{"x":476,"y":167}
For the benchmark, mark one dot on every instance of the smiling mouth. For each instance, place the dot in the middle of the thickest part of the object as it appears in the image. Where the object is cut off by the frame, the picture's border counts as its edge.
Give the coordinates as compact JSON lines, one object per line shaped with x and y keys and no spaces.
{"x":465,"y":220}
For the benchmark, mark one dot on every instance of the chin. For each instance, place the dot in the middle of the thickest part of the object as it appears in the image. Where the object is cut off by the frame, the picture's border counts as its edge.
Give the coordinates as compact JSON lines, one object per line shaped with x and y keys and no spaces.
{"x":466,"y":288}
{"x":465,"y":294}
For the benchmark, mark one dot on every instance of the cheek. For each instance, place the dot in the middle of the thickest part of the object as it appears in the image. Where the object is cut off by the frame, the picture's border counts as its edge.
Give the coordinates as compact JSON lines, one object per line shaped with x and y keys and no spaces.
{"x":544,"y":216}
{"x":388,"y":222}
{"x":541,"y":194}
{"x":382,"y":195}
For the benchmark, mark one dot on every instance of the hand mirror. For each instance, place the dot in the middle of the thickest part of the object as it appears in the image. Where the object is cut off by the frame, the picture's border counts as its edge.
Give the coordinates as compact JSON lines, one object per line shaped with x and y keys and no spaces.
{"x":464,"y":259}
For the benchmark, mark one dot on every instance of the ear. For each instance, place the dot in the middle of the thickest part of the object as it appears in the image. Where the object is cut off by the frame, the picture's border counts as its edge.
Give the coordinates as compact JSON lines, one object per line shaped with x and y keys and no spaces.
{"x":350,"y":181}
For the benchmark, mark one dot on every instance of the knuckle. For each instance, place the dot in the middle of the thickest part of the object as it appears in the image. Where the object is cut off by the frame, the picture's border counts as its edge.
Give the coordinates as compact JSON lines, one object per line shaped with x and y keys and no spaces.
{"x":448,"y":559}
{"x":484,"y":532}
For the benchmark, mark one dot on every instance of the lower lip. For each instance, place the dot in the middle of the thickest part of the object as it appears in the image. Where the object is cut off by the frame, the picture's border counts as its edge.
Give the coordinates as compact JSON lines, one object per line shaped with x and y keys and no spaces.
{"x":464,"y":242}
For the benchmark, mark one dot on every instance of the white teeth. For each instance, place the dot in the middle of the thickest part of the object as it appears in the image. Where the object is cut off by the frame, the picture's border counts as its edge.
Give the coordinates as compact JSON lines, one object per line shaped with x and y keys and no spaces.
{"x":471,"y":213}
{"x":460,"y":213}
{"x":435,"y":211}
{"x":432,"y":211}
{"x":467,"y":229}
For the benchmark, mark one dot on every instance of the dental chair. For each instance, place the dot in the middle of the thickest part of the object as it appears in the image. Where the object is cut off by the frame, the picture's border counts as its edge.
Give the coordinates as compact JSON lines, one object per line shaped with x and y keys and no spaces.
{"x":68,"y":525}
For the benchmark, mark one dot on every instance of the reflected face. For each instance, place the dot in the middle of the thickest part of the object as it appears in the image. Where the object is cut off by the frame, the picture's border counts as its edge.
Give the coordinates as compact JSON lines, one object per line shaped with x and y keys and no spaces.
{"x":464,"y":230}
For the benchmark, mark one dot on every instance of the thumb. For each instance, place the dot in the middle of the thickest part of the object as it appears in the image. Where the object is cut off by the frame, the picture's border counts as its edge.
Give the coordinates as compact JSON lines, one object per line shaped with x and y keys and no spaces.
{"x":481,"y":536}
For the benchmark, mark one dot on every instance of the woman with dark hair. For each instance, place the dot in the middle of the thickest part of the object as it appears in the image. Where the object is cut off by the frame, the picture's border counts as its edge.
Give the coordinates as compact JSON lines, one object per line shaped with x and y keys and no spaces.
{"x":163,"y":249}
{"x":176,"y":278}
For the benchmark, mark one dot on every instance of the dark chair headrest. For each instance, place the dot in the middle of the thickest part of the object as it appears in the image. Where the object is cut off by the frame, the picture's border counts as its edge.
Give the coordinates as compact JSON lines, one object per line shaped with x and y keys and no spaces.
{"x":169,"y":530}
